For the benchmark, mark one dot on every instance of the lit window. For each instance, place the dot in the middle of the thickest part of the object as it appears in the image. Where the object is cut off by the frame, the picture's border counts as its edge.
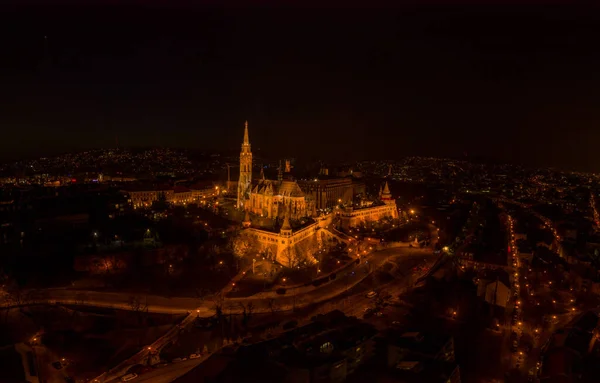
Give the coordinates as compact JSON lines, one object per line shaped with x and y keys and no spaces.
{"x":326,"y":347}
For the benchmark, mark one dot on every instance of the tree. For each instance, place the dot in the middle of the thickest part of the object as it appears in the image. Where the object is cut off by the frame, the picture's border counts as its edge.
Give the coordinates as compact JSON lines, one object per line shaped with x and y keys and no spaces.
{"x":218,"y":301}
{"x":291,"y":257}
{"x":250,"y":309}
{"x":273,"y":307}
{"x":139,"y":306}
{"x":244,"y":244}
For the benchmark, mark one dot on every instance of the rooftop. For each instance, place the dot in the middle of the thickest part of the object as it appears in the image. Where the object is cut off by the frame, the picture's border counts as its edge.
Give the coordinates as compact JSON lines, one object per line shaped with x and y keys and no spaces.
{"x":425,"y":343}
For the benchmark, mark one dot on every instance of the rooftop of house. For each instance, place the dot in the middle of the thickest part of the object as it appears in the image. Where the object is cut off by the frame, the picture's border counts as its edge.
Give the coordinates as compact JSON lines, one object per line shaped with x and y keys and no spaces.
{"x":424,"y":343}
{"x":146,"y":187}
{"x":319,"y":342}
{"x":181,"y":189}
{"x":417,"y":370}
{"x":494,"y":275}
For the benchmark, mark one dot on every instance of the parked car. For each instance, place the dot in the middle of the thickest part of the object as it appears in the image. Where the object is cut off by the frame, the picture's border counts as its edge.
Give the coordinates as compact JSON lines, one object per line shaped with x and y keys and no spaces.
{"x":195,"y":356}
{"x":177,"y":360}
{"x":128,"y":377}
{"x":371,"y":294}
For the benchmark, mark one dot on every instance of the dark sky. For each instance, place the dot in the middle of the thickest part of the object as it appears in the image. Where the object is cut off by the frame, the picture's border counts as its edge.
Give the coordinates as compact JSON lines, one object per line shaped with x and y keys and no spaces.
{"x":517,"y":84}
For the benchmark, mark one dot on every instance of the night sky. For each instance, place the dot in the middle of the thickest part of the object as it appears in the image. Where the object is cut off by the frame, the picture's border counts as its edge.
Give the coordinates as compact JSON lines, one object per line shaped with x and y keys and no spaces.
{"x":511,"y":84}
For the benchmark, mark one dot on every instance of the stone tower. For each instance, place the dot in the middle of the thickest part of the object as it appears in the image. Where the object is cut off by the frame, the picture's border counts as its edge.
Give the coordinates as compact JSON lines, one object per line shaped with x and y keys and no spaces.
{"x":245,"y":180}
{"x":386,"y":196}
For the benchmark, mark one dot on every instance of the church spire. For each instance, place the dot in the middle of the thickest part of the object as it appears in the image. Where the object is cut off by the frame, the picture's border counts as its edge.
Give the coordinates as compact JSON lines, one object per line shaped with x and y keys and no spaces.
{"x":246,"y":137}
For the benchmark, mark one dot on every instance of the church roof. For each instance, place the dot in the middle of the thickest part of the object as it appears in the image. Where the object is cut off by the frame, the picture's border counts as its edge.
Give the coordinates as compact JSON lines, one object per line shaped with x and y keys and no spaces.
{"x":290,"y":188}
{"x":285,"y":188}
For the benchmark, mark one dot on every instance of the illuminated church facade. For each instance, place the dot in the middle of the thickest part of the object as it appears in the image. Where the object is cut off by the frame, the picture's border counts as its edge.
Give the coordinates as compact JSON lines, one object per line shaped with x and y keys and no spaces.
{"x":269,"y":198}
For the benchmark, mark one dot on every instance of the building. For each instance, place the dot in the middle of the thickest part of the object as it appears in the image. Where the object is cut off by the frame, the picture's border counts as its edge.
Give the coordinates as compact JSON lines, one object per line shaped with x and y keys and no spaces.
{"x":327,"y":350}
{"x":411,"y":357}
{"x":143,"y":196}
{"x":403,"y":346}
{"x":385,"y":208}
{"x":328,"y":192}
{"x":494,"y":288}
{"x":563,"y":355}
{"x":245,"y":181}
{"x":269,"y":198}
{"x":290,"y":247}
{"x":203,"y":190}
{"x":182,"y":195}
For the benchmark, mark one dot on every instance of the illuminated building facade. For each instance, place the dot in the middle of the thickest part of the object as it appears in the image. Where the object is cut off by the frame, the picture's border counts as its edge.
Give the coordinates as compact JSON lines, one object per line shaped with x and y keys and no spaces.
{"x":328,"y":192}
{"x":269,"y":198}
{"x":282,"y":246}
{"x":245,"y":181}
{"x":352,"y":217}
{"x":145,"y":196}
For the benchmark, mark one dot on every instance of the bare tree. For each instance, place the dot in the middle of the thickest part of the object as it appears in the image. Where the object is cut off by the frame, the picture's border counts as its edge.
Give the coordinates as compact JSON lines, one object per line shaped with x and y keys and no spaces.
{"x":273,"y":307}
{"x":218,"y":302}
{"x":139,"y":306}
{"x":244,"y":244}
{"x":250,"y":308}
{"x":291,"y":257}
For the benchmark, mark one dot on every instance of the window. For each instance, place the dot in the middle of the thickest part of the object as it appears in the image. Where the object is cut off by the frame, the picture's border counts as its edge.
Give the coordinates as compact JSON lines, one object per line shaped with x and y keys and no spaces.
{"x":326,"y":347}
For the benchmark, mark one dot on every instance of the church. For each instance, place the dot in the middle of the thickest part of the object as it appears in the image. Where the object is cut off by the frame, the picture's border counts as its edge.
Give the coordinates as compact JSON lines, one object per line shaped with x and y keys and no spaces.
{"x":269,"y":198}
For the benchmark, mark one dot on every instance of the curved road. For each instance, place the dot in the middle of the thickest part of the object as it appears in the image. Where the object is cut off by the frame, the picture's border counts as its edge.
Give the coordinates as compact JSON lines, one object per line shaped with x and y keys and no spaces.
{"x":195,"y":307}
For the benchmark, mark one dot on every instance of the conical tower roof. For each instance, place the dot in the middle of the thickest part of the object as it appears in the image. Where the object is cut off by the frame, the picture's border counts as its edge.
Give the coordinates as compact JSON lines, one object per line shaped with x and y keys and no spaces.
{"x":386,"y":189}
{"x":286,"y":220}
{"x":386,"y":194}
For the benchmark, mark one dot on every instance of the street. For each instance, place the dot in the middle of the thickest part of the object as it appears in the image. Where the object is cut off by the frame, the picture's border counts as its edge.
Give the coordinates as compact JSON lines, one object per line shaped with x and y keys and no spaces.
{"x":404,"y":258}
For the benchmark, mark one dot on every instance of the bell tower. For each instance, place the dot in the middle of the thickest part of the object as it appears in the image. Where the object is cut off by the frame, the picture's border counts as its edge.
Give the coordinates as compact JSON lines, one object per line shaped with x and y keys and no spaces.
{"x":245,"y":181}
